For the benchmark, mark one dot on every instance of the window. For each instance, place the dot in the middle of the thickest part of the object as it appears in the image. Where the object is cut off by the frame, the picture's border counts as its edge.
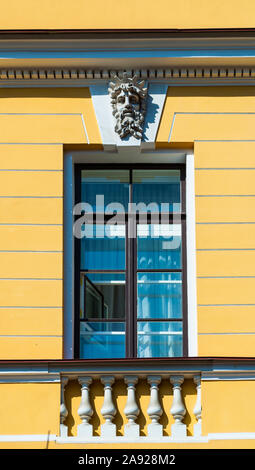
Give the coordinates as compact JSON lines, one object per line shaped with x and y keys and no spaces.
{"x":130,"y":262}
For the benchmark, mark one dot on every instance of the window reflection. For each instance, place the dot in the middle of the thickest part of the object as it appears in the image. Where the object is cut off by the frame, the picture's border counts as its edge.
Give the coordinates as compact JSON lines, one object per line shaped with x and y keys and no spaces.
{"x":102,"y":296}
{"x":159,"y":246}
{"x":112,"y":184}
{"x":159,"y":295}
{"x":159,"y":339}
{"x":159,"y":186}
{"x":102,"y":340}
{"x":105,"y":248}
{"x":107,"y":260}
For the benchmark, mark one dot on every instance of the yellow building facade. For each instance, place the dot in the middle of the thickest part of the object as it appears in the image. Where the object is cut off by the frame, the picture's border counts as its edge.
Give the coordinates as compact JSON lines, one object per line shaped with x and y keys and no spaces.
{"x":197,"y":62}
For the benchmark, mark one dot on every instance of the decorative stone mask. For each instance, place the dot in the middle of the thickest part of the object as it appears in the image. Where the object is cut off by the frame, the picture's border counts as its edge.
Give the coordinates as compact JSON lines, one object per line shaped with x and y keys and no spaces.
{"x":128,"y":99}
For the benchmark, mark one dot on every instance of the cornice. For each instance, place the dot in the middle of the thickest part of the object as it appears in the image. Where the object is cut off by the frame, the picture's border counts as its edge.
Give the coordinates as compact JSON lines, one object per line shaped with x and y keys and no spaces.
{"x":210,"y":369}
{"x":167,"y":32}
{"x":113,"y":40}
{"x":122,"y":50}
{"x":206,"y":362}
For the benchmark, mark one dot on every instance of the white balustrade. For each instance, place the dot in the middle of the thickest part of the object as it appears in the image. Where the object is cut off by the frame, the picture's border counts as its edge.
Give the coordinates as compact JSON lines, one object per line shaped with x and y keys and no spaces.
{"x":178,"y":409}
{"x":198,"y":407}
{"x":85,"y":410}
{"x":63,"y":409}
{"x":131,"y":409}
{"x":155,"y":430}
{"x":108,"y":410}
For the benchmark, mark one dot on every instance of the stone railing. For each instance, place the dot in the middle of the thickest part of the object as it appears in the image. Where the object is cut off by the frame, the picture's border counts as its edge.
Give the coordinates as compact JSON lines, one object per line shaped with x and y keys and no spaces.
{"x":154,"y":410}
{"x":124,"y":401}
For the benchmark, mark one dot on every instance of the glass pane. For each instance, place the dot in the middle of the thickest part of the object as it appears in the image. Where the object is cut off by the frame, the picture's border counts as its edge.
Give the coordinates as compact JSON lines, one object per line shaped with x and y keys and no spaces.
{"x":102,"y":340}
{"x":159,"y":295}
{"x":157,"y":186}
{"x":159,"y":246}
{"x":112,"y":184}
{"x":159,"y":339}
{"x":94,"y":300}
{"x":102,"y":296}
{"x":104,"y":248}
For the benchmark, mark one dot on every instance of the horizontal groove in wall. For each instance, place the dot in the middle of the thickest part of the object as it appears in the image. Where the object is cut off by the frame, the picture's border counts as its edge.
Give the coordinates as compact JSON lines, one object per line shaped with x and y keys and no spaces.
{"x":59,"y":114}
{"x":36,"y":225}
{"x":31,"y":251}
{"x":31,"y":143}
{"x":31,"y":197}
{"x":224,"y":169}
{"x":225,"y":305}
{"x":203,"y":113}
{"x":30,"y":169}
{"x":27,"y":306}
{"x":31,"y":279}
{"x":224,"y":249}
{"x":31,"y":336}
{"x":222,"y":223}
{"x":238,"y":334}
{"x":225,"y":277}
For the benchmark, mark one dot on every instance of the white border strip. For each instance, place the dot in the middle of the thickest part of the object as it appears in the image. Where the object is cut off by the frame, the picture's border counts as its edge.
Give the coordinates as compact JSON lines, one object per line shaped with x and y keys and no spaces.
{"x":217,"y":376}
{"x":102,"y":107}
{"x":121,"y":439}
{"x":33,"y":377}
{"x":28,"y":438}
{"x":191,"y":255}
{"x":125,"y":440}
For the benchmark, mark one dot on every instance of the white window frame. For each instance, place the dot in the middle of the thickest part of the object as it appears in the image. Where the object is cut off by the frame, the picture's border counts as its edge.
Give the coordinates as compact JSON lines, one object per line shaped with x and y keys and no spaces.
{"x":133,"y":156}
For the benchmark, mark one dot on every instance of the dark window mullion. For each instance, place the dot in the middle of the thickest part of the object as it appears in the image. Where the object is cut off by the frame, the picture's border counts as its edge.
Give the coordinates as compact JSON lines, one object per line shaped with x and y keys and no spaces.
{"x":103,"y":271}
{"x":129,"y":291}
{"x":149,"y":218}
{"x":133,"y":245}
{"x":135,"y":340}
{"x":183,"y":190}
{"x":105,"y":218}
{"x":131,"y":295}
{"x":159,"y":319}
{"x":104,"y":320}
{"x":159,"y":270}
{"x":184,"y":291}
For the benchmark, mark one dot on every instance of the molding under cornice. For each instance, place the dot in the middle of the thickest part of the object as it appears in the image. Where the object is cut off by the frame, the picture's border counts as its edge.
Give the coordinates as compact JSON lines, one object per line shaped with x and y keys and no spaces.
{"x":180,"y":74}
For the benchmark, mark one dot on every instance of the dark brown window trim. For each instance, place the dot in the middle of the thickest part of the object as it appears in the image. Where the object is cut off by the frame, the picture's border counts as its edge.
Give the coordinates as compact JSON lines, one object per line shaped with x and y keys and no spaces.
{"x":162,"y":365}
{"x":128,"y":32}
{"x":131,"y":270}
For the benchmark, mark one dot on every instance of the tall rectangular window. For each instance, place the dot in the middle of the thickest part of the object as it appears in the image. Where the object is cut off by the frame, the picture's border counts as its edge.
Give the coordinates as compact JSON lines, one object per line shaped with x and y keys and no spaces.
{"x":130,"y":262}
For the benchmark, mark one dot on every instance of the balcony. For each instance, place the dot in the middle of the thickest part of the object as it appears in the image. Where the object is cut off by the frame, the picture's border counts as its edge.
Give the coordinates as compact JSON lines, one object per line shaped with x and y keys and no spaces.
{"x":130,"y":401}
{"x":140,"y":401}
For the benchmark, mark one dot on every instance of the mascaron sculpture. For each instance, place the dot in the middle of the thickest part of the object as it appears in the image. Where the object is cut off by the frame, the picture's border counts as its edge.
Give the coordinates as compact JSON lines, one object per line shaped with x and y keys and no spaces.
{"x":128,"y":99}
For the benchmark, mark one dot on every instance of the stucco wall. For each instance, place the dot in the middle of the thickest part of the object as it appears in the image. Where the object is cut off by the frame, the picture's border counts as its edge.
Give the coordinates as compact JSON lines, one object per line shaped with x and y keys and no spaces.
{"x":61,"y":14}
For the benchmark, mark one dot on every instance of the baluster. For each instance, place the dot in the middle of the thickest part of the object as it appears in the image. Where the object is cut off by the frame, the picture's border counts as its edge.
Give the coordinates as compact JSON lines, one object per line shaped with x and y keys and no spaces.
{"x":178,"y":409}
{"x":63,"y":409}
{"x":198,"y":407}
{"x":108,"y":410}
{"x":85,"y":410}
{"x":155,"y":429}
{"x":131,"y":409}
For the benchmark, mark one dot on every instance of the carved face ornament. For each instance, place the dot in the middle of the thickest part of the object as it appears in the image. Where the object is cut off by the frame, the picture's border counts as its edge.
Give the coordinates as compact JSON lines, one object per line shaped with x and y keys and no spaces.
{"x":128,"y":99}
